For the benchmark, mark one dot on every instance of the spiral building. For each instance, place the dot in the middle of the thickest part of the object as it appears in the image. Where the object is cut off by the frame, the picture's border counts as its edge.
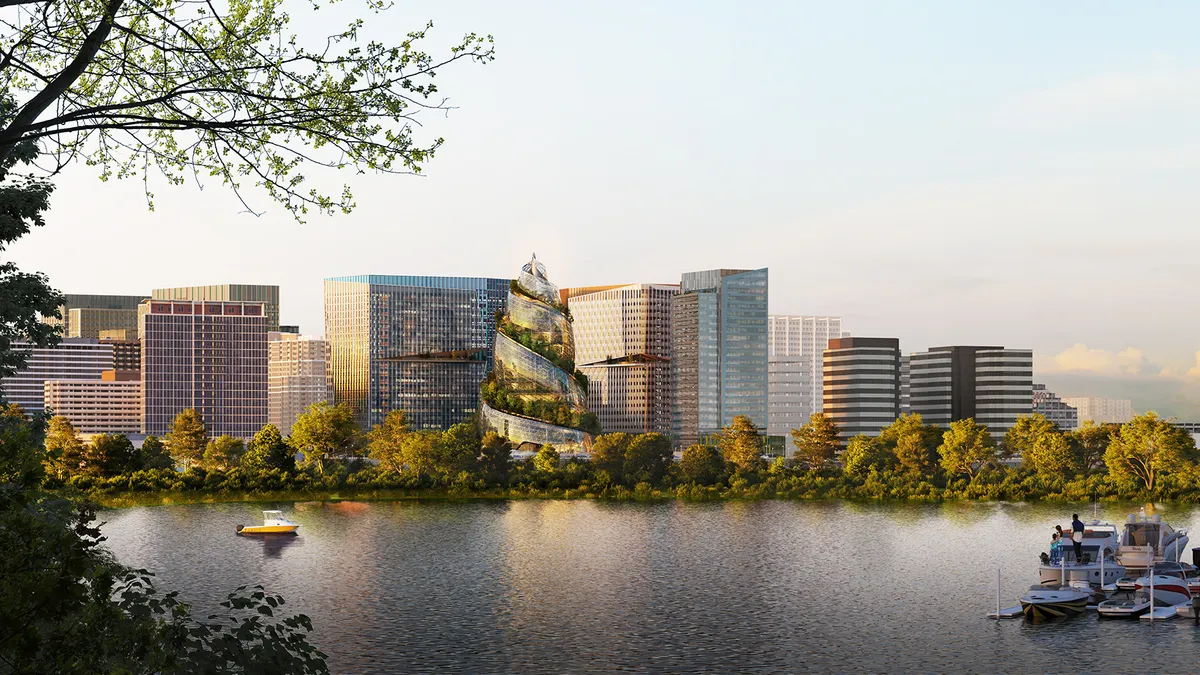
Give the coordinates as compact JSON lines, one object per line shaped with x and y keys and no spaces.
{"x":534,"y":394}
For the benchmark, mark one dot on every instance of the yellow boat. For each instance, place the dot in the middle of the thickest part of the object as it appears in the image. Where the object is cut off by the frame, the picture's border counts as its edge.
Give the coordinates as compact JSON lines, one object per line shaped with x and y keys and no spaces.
{"x":273,"y":523}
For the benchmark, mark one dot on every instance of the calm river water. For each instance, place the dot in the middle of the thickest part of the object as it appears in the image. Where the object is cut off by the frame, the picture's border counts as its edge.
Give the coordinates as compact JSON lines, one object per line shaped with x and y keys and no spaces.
{"x":582,"y":587}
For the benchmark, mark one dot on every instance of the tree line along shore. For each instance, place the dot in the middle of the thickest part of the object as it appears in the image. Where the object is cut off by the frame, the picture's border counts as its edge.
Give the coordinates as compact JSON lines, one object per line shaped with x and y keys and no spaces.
{"x":328,"y":456}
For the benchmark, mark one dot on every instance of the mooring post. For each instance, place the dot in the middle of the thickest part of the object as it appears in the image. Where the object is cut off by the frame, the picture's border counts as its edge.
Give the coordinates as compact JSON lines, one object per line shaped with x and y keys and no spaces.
{"x":997,"y":593}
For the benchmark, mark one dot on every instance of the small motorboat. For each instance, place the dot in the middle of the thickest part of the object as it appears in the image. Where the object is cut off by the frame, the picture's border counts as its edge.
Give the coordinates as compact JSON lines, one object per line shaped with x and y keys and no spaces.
{"x":1168,"y":590}
{"x":1124,"y":605}
{"x":273,"y":523}
{"x":1052,"y":602}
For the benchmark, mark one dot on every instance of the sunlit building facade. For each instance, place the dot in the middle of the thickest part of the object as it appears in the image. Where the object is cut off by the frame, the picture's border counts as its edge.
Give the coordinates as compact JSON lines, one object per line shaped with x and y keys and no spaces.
{"x":719,"y":352}
{"x":861,"y":384}
{"x":623,"y":346}
{"x":72,"y":359}
{"x":266,"y":294}
{"x":84,"y":316}
{"x":211,"y":356}
{"x":413,"y":343}
{"x":534,"y":395}
{"x":110,"y":405}
{"x":990,"y":384}
{"x":297,"y":377}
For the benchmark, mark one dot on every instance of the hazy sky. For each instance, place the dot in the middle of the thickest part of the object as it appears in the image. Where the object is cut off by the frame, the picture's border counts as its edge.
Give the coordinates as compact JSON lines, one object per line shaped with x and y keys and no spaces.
{"x":1014,"y":173}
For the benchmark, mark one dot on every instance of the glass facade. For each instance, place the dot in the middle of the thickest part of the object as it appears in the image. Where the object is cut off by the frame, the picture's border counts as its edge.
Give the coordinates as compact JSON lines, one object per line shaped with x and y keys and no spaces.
{"x":719,"y":338}
{"x":530,"y":378}
{"x":72,"y":359}
{"x":413,"y":343}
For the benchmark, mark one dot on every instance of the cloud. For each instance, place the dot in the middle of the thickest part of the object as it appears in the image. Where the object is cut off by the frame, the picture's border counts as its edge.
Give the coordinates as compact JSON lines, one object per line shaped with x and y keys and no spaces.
{"x":1079,"y":358}
{"x":1194,"y":371}
{"x":1106,"y":95}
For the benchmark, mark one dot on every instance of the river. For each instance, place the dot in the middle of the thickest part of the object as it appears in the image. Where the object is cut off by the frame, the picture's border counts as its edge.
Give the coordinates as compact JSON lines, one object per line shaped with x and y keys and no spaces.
{"x":587,"y":587}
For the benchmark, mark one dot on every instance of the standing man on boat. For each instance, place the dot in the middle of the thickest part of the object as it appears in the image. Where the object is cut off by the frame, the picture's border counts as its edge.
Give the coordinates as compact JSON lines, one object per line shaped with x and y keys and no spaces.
{"x":1077,"y":537}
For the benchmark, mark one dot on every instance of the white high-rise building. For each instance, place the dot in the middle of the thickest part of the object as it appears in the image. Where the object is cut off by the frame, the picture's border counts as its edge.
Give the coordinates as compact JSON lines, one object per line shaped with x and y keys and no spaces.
{"x":795,"y":345}
{"x":109,"y":405}
{"x":297,"y":377}
{"x":993,"y":385}
{"x":1101,"y":410}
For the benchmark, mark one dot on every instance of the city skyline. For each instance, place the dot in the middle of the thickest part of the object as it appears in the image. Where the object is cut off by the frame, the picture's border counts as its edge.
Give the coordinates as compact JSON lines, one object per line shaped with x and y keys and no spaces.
{"x":1072,"y":136}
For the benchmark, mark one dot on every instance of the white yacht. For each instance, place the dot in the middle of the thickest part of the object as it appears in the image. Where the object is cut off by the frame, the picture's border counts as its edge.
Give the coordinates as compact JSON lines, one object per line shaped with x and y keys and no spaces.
{"x":1147,"y":540}
{"x":1099,"y":565}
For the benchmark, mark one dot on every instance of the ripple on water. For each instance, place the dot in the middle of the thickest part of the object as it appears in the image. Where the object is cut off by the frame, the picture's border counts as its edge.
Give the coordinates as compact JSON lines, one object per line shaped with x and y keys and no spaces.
{"x":582,"y":587}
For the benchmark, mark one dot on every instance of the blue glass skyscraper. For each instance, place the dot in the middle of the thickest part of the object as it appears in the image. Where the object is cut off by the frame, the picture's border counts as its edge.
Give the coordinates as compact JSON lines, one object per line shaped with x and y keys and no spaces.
{"x":719,"y":338}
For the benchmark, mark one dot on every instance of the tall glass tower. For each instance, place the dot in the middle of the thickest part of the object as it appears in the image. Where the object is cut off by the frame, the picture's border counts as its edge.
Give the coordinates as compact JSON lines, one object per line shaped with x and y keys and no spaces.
{"x":719,"y":340}
{"x":411,"y":343}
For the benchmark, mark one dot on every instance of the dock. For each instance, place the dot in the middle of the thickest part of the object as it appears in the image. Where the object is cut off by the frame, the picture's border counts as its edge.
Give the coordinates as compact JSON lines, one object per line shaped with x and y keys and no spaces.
{"x":1007,"y":613}
{"x":1164,"y":613}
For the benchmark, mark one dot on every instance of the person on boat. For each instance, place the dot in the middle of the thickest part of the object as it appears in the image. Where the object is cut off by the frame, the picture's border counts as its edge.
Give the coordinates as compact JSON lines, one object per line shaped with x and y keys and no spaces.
{"x":1056,"y":544}
{"x":1077,"y":536}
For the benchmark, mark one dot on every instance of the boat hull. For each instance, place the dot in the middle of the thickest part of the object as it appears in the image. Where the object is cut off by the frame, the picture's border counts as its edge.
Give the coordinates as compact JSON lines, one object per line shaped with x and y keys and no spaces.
{"x":268,"y":529}
{"x":1122,"y":610}
{"x":1089,"y":573}
{"x":1167,"y":590}
{"x":1044,"y":610}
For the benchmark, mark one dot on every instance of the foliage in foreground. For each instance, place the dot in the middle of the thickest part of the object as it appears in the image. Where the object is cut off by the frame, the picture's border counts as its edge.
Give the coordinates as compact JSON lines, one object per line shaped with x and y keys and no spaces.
{"x":67,"y":606}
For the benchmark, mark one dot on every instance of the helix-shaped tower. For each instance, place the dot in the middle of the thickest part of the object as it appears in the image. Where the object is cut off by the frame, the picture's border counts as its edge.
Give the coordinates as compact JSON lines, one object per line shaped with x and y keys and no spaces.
{"x":534,"y":395}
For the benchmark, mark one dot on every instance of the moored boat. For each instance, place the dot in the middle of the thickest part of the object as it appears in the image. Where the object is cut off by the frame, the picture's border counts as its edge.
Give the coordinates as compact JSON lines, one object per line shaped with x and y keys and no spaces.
{"x":1168,"y":590}
{"x":1052,"y":602}
{"x":1098,"y":566}
{"x":1124,"y":605}
{"x":273,"y":523}
{"x":1147,"y":540}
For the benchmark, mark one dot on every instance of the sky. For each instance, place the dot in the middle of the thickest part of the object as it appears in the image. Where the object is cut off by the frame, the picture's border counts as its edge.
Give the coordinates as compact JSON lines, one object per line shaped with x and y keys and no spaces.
{"x":1013,"y":173}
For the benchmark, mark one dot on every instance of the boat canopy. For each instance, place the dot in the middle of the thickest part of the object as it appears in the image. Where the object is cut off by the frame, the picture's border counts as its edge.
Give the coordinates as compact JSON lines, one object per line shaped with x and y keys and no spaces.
{"x":1145,"y":533}
{"x":272,"y":513}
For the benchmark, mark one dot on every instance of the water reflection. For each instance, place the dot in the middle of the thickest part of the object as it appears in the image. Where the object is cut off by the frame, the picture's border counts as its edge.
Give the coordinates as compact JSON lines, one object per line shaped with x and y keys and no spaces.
{"x":273,"y":544}
{"x":581,"y":586}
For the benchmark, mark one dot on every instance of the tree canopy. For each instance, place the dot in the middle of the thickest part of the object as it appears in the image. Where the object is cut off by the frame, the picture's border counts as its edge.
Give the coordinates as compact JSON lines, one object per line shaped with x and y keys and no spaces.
{"x":219,"y":90}
{"x":1146,"y":447}
{"x":817,"y":442}
{"x":326,"y":431}
{"x":742,"y":443}
{"x":966,"y":447}
{"x":188,"y":438}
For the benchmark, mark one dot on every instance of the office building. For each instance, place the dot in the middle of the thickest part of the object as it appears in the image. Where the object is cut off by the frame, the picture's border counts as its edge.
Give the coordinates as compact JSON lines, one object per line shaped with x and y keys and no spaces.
{"x":127,"y":354}
{"x":861,"y":384}
{"x":72,"y":359}
{"x":992,"y":385}
{"x":905,"y":384}
{"x":623,"y":346}
{"x":296,"y":377}
{"x":1101,"y":410}
{"x":96,"y":313}
{"x":211,"y":356}
{"x":529,"y":397}
{"x":1048,"y":404}
{"x":110,"y":405}
{"x":268,"y":295}
{"x":795,"y":345}
{"x":411,"y":343}
{"x":719,"y":351}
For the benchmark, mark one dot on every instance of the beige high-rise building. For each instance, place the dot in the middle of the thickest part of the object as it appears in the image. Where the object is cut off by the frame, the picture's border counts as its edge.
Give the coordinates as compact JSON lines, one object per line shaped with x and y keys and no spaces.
{"x":110,"y":405}
{"x":1100,"y":409}
{"x":268,"y":295}
{"x":84,"y":316}
{"x":297,"y":377}
{"x":623,"y":346}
